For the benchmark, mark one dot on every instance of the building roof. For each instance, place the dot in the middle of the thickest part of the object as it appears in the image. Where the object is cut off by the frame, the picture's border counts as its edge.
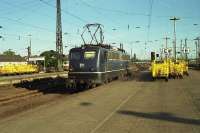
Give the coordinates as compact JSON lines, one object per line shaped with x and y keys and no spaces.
{"x":15,"y":58}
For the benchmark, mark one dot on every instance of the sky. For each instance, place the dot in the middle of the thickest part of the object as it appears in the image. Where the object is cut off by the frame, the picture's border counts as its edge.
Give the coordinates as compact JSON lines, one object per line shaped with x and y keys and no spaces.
{"x":22,"y":19}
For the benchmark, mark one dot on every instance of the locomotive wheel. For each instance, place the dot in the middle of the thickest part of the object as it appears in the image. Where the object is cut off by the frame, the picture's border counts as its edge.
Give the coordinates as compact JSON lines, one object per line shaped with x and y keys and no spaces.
{"x":92,"y":85}
{"x":106,"y":81}
{"x":121,"y":76}
{"x":78,"y":86}
{"x":86,"y":86}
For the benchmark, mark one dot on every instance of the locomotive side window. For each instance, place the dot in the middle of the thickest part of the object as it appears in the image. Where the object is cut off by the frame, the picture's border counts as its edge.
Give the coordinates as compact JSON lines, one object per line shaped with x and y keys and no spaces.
{"x":89,"y":54}
{"x":105,"y":56}
{"x":75,"y":55}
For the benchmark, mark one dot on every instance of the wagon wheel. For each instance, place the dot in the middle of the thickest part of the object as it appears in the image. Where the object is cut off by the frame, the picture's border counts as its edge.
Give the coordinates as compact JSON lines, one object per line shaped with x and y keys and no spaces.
{"x":187,"y":74}
{"x":106,"y":81}
{"x":93,"y":85}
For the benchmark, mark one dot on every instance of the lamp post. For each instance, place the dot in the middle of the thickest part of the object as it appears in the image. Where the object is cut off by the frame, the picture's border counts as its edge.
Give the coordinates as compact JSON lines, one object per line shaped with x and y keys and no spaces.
{"x":174,"y":19}
{"x":132,"y":47}
{"x":29,"y":47}
{"x":66,"y":48}
{"x":66,"y":33}
{"x":1,"y":28}
{"x":132,"y":42}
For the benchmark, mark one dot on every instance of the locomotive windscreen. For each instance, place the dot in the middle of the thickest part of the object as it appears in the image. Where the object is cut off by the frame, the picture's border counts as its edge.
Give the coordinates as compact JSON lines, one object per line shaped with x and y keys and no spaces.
{"x":83,"y":60}
{"x":76,"y":55}
{"x":82,"y":55}
{"x":89,"y":55}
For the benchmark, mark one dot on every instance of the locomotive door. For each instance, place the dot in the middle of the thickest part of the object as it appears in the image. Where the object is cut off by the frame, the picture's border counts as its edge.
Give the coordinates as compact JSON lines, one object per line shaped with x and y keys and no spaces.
{"x":106,"y":60}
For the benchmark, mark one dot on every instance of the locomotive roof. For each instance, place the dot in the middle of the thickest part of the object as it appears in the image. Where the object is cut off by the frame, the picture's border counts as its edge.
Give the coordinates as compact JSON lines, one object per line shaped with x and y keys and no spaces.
{"x":105,"y":46}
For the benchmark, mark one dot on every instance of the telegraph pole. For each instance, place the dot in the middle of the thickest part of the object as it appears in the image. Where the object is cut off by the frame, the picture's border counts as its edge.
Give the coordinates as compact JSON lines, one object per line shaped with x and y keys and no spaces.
{"x":197,"y":49}
{"x":0,"y":28}
{"x":196,"y":52}
{"x":166,"y":41}
{"x":59,"y":44}
{"x":182,"y":49}
{"x":166,"y":45}
{"x":186,"y":57}
{"x":29,"y":47}
{"x":174,"y":19}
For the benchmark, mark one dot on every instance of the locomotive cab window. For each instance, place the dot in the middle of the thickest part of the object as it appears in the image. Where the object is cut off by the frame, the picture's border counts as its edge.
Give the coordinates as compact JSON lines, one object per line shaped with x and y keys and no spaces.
{"x":75,"y":55}
{"x":89,"y":55}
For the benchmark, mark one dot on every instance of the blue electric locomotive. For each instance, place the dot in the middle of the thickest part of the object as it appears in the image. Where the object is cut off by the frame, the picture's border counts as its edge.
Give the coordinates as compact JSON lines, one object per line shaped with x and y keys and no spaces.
{"x":97,"y":64}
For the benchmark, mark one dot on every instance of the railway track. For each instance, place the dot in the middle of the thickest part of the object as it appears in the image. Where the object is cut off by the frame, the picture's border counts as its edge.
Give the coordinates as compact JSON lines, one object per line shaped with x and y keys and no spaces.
{"x":21,"y":96}
{"x":26,"y":94}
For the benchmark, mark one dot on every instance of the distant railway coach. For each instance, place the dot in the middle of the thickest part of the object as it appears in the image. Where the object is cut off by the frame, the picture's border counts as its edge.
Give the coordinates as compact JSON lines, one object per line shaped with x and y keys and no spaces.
{"x":96,"y":64}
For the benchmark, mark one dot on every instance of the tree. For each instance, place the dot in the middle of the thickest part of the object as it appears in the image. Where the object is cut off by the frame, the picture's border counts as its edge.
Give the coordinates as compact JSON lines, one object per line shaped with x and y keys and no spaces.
{"x":9,"y":52}
{"x":50,"y":58}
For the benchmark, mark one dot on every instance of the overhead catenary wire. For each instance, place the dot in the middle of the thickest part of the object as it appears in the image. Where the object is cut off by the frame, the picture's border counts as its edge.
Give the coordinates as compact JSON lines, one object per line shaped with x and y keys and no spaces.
{"x":149,"y":24}
{"x":20,"y":37}
{"x":116,"y":11}
{"x":33,"y":10}
{"x":100,"y":12}
{"x":28,"y":25}
{"x":149,"y":18}
{"x":97,"y":10}
{"x":28,"y":10}
{"x":22,"y":7}
{"x":66,"y":12}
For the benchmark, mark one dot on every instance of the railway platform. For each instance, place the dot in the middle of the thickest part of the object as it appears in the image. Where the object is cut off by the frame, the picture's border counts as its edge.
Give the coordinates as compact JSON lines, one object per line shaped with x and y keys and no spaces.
{"x":13,"y":79}
{"x":135,"y":106}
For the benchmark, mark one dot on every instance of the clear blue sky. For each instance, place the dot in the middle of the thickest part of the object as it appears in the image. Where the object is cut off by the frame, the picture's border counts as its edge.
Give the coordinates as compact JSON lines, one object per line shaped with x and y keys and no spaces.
{"x":19,"y":18}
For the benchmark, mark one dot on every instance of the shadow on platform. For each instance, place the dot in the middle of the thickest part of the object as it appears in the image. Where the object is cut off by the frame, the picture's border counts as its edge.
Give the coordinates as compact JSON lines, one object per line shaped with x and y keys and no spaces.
{"x":58,"y":85}
{"x":85,"y":103}
{"x":144,"y":76}
{"x":47,"y":86}
{"x":161,"y":116}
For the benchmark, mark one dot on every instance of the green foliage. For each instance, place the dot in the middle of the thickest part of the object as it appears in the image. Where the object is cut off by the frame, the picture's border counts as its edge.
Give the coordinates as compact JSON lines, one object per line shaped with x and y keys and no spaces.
{"x":9,"y":52}
{"x":50,"y":58}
